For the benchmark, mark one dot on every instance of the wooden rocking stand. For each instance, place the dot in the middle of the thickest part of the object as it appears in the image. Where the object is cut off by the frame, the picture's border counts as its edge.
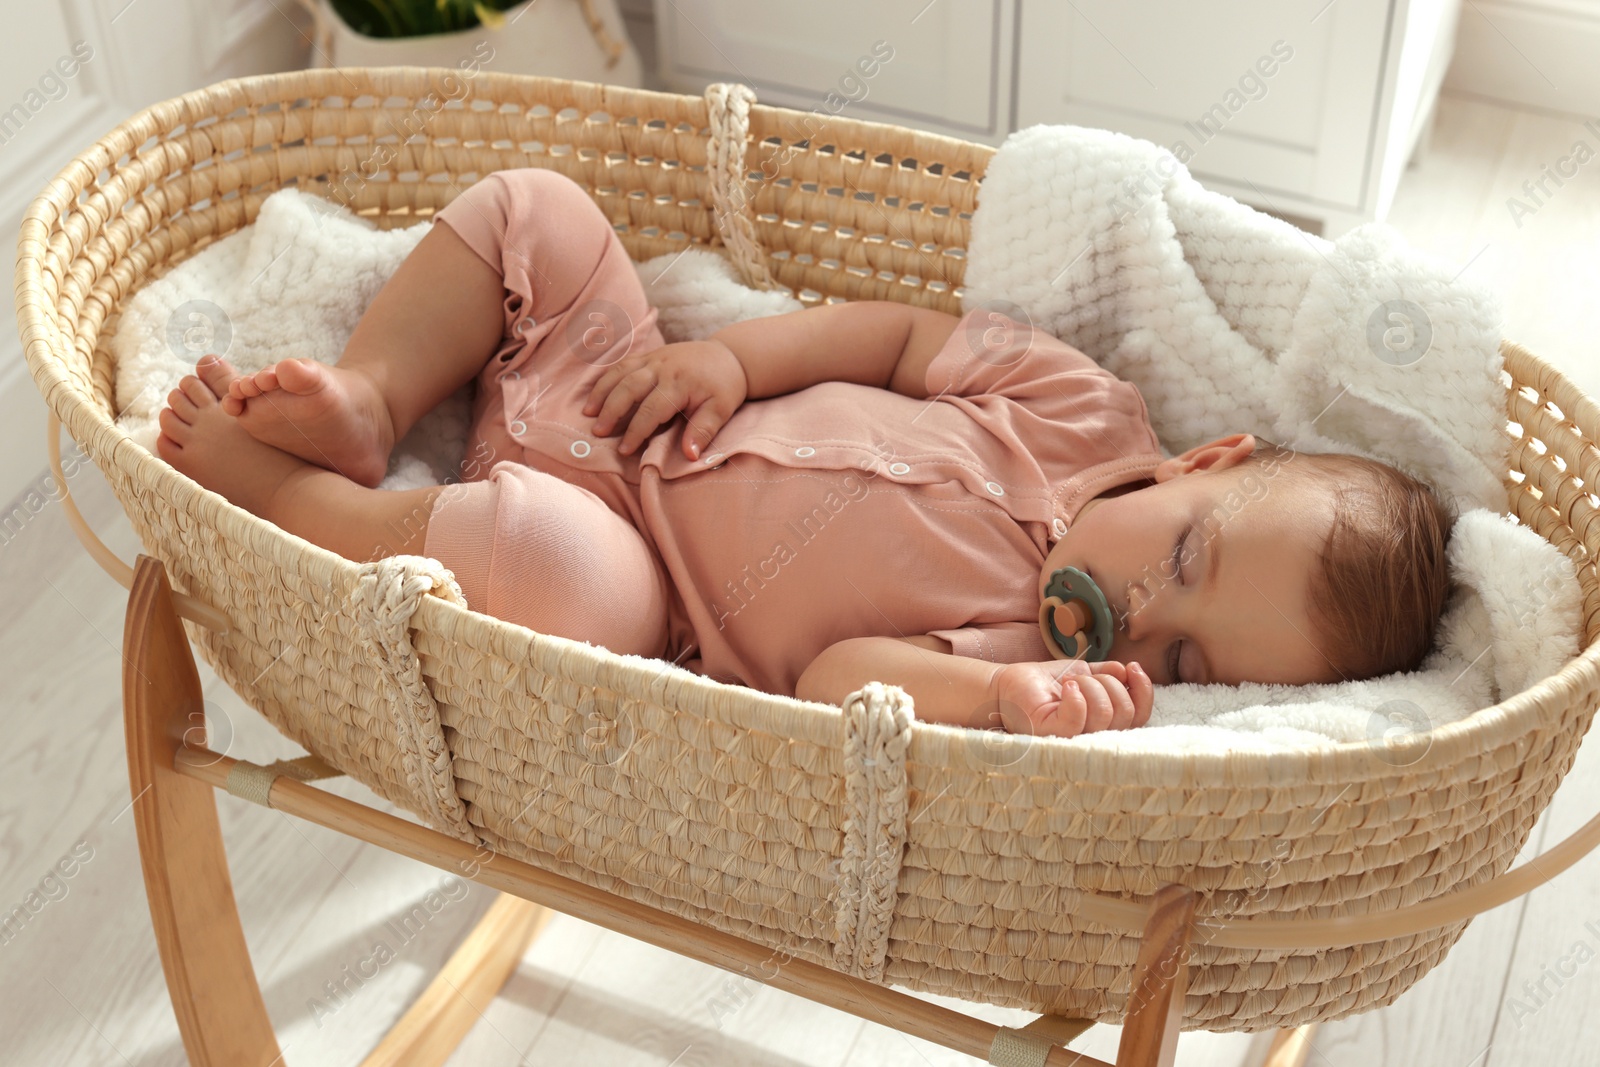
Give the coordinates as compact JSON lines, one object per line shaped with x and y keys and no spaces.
{"x":218,"y":1003}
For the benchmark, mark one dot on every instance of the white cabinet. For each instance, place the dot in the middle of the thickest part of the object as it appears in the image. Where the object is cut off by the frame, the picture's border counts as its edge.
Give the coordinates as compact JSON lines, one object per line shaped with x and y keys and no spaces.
{"x":949,"y":66}
{"x":1286,"y":109}
{"x":1308,"y":110}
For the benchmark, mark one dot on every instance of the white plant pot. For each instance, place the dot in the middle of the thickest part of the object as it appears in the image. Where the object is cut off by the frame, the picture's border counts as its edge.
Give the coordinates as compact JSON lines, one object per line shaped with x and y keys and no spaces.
{"x":547,"y":37}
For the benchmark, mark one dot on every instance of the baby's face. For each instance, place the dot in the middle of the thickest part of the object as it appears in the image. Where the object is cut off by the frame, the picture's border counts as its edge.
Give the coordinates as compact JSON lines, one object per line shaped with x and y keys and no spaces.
{"x":1231,"y":606}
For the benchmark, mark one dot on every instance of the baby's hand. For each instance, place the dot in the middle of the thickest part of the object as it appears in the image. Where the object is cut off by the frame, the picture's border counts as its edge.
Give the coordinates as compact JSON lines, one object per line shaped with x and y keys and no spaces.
{"x":1065,"y":698}
{"x":702,"y":379}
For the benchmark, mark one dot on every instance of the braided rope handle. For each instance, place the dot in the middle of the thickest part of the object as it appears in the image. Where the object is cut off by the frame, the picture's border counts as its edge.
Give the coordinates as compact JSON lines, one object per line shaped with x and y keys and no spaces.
{"x":387,"y":593}
{"x":877,"y":732}
{"x":728,"y":112}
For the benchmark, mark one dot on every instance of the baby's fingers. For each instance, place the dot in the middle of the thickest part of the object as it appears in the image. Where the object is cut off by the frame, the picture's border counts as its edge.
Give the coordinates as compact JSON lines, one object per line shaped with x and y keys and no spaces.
{"x":704,"y":423}
{"x":1067,"y":717}
{"x":614,"y":399}
{"x":1143,"y":692}
{"x":1114,"y":667}
{"x":663,"y":404}
{"x":602,"y":388}
{"x":1138,"y":685}
{"x":1100,"y":709}
{"x":1111,"y":707}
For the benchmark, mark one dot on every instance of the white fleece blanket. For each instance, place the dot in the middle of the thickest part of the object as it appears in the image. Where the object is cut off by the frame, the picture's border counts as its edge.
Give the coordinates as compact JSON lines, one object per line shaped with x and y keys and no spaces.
{"x":1193,"y":296}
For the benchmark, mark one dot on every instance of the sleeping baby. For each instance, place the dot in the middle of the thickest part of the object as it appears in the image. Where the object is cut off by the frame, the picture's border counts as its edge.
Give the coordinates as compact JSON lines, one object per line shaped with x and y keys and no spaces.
{"x":868,"y":491}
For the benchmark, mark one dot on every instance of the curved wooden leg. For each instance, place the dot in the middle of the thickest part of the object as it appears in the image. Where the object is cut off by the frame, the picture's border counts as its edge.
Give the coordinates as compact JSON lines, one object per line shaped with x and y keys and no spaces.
{"x":1160,"y":979}
{"x":192,"y":908}
{"x":186,"y":879}
{"x":431,"y":1028}
{"x":1290,"y":1047}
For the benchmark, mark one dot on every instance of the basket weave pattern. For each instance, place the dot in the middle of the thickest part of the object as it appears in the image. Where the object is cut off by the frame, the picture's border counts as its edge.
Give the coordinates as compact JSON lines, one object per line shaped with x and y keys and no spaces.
{"x":717,"y":802}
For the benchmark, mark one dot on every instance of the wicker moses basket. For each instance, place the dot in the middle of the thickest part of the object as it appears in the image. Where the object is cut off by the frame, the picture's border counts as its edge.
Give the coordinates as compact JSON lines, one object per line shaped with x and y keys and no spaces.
{"x":864,"y":848}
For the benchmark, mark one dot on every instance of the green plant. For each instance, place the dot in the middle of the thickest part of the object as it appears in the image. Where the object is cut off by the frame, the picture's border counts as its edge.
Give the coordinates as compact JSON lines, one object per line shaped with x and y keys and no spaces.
{"x":414,"y":18}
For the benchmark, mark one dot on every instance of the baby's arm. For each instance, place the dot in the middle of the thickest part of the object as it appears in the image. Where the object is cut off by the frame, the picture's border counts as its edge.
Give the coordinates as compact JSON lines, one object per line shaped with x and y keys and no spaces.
{"x":946,"y":688}
{"x":1061,"y":697}
{"x":872,"y":342}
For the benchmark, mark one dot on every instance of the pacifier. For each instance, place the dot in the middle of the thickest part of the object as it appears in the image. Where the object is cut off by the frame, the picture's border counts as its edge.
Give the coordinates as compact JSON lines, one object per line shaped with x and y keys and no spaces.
{"x":1075,"y":618}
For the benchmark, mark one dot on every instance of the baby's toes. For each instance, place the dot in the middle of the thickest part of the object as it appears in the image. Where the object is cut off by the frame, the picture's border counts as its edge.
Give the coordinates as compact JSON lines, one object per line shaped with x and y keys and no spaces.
{"x":180,"y":404}
{"x":173,"y":425}
{"x":198,"y":392}
{"x":217,"y":373}
{"x":298,"y":375}
{"x":168,"y":449}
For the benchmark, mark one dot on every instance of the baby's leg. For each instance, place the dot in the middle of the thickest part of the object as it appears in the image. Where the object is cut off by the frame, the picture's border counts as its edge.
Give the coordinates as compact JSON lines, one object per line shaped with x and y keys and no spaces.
{"x":430,"y":329}
{"x":320,"y":505}
{"x":533,"y":549}
{"x":357,"y":522}
{"x":435,"y":323}
{"x":524,"y":545}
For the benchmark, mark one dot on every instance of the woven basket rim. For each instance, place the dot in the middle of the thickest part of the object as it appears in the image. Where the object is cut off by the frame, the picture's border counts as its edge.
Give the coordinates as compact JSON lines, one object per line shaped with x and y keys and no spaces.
{"x":106,"y":442}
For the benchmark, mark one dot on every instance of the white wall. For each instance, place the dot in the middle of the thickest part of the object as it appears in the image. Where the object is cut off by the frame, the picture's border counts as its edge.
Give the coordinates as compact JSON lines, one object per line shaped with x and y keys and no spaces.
{"x":1536,"y":54}
{"x":122,"y":56}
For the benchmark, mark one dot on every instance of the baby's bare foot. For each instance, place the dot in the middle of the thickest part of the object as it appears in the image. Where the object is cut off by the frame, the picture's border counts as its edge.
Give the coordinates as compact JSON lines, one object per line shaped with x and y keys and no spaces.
{"x":201,"y":440}
{"x":334,"y":417}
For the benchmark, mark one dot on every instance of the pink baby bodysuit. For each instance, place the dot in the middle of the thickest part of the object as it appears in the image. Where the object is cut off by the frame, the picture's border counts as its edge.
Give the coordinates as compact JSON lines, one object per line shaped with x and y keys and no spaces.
{"x":844,"y":510}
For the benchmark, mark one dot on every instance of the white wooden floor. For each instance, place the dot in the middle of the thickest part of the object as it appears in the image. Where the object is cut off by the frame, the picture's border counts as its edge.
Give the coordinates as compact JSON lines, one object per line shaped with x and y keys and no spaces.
{"x":80,"y":982}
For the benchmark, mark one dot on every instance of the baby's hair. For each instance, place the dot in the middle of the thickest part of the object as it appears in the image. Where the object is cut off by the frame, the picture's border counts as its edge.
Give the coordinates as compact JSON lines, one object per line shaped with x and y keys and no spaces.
{"x":1382,"y":576}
